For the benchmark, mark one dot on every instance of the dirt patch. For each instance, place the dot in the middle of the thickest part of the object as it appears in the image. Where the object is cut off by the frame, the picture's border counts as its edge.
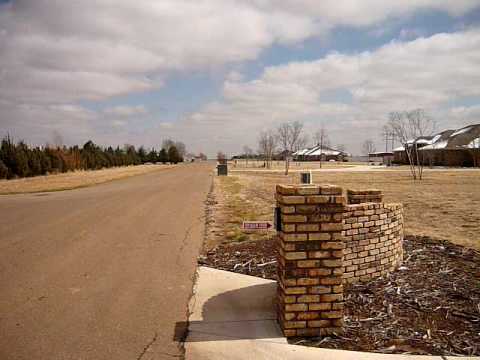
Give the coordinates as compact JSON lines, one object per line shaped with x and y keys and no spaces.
{"x":233,"y":200}
{"x":430,"y":306}
{"x":256,"y":258}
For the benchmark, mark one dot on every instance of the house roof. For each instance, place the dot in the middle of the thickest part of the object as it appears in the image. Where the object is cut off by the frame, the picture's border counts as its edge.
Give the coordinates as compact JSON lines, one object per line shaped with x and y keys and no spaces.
{"x":301,"y":152}
{"x":318,"y":150}
{"x":466,"y":137}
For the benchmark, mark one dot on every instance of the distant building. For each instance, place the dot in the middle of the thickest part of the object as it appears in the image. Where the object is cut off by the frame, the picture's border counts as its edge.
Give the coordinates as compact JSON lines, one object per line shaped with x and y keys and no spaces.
{"x":385,"y":157}
{"x":448,"y":148}
{"x":314,"y":154}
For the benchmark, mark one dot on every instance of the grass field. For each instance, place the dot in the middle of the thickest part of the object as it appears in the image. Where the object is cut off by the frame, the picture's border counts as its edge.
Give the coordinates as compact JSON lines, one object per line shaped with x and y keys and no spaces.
{"x":73,"y":180}
{"x":294,"y":165}
{"x":443,"y":206}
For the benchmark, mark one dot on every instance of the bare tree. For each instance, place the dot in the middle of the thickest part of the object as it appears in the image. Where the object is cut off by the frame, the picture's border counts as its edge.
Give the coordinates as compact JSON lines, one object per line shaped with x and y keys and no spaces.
{"x":167,"y":144}
{"x":247,"y":152}
{"x":267,"y":143}
{"x":289,"y":136}
{"x":283,"y":135}
{"x":389,"y":136}
{"x":302,"y":143}
{"x":407,"y":127}
{"x":321,"y":137}
{"x":368,"y":147}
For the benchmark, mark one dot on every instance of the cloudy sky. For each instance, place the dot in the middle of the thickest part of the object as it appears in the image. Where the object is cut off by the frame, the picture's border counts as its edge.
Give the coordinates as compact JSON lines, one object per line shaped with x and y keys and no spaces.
{"x":214,"y":73}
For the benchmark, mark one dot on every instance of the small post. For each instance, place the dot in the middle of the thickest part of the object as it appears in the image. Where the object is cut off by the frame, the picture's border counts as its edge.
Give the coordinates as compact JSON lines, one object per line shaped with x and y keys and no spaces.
{"x":222,"y":169}
{"x":306,"y":177}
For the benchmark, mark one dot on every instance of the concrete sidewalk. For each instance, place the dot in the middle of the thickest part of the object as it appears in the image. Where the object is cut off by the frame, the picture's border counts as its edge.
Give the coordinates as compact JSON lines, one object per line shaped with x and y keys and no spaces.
{"x":232,"y":317}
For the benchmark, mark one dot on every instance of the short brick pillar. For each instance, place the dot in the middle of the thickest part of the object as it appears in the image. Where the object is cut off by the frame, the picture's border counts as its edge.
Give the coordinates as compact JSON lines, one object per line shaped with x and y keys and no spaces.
{"x":364,"y":196}
{"x":310,"y":266}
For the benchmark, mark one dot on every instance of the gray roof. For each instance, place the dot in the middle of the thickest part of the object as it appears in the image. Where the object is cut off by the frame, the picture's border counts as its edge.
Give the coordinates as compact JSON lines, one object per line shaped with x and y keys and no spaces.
{"x":463,"y":138}
{"x":467,"y":137}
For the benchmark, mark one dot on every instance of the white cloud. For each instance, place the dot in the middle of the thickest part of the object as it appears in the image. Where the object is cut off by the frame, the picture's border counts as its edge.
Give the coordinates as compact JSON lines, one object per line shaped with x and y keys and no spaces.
{"x":166,"y":125}
{"x":62,"y":52}
{"x":73,"y":122}
{"x":65,"y":51}
{"x":427,"y":72}
{"x":125,"y":111}
{"x":366,"y":12}
{"x":463,"y":115}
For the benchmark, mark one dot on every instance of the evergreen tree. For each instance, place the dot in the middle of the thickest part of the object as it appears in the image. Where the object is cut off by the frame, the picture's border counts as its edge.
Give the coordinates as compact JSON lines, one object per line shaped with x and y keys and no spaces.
{"x":8,"y":156}
{"x":119,"y":157}
{"x":142,"y":155}
{"x":45,"y":162}
{"x":110,"y":155}
{"x":152,"y":156}
{"x":131,"y":156}
{"x":34,"y":162}
{"x":20,"y":160}
{"x":173,"y":155}
{"x":163,"y":156}
{"x":3,"y":170}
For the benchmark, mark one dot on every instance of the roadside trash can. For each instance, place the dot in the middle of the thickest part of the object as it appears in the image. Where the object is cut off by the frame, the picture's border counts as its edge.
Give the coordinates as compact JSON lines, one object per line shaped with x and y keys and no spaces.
{"x":306,"y":177}
{"x":222,"y":170}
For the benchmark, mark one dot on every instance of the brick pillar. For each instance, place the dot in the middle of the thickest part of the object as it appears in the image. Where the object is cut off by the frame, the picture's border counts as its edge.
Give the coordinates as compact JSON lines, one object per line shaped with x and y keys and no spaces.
{"x":310,"y":267}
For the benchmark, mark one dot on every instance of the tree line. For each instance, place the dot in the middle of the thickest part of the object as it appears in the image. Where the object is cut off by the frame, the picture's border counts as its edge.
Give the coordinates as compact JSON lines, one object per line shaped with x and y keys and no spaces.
{"x":18,"y":159}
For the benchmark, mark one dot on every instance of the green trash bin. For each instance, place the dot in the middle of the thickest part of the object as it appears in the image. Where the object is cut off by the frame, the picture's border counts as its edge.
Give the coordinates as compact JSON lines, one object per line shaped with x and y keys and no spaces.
{"x":222,"y":170}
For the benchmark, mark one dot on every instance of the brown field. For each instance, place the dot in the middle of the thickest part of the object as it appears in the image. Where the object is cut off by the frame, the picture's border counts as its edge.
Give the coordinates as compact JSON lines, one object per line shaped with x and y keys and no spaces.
{"x":443,"y":206}
{"x":73,"y":180}
{"x":242,"y":164}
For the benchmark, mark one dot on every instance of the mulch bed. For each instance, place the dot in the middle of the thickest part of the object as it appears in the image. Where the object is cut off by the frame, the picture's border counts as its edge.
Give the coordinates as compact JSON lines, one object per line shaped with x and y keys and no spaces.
{"x":431,"y":305}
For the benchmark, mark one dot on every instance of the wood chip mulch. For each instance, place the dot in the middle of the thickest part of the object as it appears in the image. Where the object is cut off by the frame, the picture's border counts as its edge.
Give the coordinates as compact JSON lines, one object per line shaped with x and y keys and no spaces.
{"x":430,"y":306}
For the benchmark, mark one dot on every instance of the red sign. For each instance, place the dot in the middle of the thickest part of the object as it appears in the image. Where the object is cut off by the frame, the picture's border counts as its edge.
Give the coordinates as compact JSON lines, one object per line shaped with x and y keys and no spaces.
{"x":256,"y":225}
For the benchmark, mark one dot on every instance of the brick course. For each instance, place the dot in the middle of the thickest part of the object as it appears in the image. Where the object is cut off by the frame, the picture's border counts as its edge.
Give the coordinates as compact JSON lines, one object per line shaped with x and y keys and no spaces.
{"x":363,"y":196}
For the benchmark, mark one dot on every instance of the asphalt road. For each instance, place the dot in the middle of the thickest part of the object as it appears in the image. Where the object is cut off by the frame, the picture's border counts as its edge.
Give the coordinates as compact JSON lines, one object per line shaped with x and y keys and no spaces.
{"x":103,"y":272}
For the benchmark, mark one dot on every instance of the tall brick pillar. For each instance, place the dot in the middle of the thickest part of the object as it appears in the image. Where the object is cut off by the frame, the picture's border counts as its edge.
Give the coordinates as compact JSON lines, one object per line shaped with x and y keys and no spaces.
{"x":310,"y":251}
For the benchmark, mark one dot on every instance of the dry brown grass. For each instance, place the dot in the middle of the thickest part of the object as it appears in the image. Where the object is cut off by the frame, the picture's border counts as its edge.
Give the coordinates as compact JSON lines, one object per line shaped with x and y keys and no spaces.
{"x":443,"y":206}
{"x":294,"y":165}
{"x":73,"y":180}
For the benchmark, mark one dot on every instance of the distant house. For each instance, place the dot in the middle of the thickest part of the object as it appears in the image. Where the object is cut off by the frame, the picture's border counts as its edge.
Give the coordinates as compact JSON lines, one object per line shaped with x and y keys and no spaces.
{"x":314,"y":154}
{"x":385,"y":157}
{"x":448,"y":148}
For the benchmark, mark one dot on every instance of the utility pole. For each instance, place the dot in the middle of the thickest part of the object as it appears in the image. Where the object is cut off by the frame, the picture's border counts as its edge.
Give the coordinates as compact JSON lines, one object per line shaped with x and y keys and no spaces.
{"x":321,"y":149}
{"x":389,"y":137}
